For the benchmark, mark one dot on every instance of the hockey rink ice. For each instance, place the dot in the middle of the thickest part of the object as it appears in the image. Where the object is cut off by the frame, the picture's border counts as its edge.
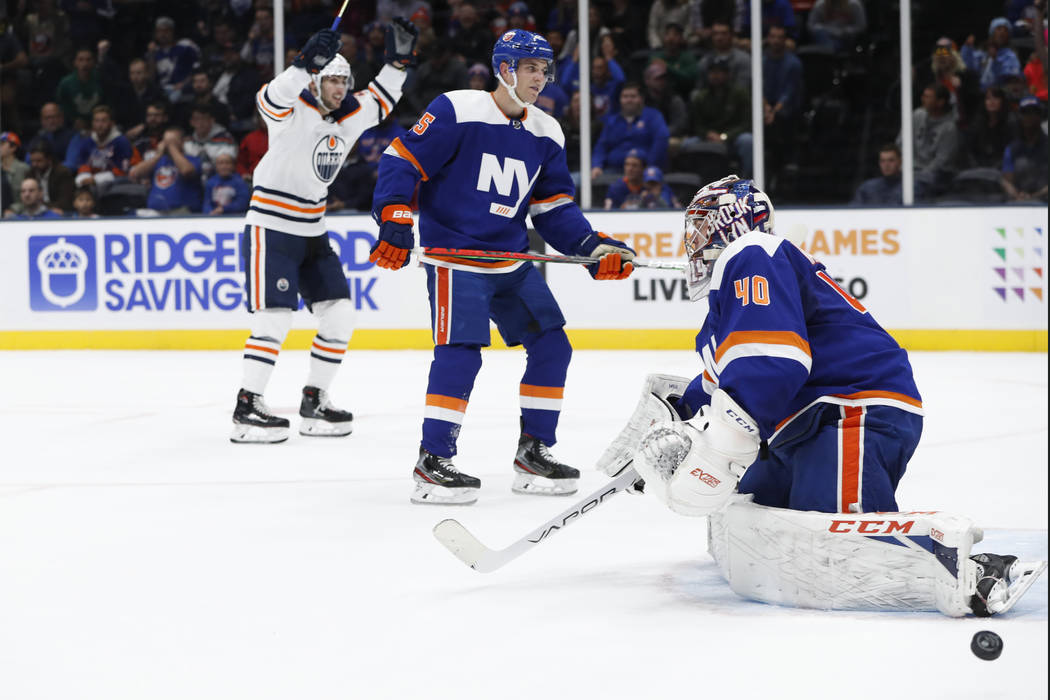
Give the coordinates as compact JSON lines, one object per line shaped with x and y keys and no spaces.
{"x":145,"y":557}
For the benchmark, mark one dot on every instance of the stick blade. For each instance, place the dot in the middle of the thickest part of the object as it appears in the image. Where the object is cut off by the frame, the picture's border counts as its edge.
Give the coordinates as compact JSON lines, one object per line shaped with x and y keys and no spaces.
{"x":465,"y":546}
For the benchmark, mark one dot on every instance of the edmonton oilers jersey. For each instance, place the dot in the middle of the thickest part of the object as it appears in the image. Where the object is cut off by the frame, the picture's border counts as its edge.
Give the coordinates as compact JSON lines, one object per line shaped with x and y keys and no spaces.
{"x":307,"y":149}
{"x":482,"y":172}
{"x":781,"y":336}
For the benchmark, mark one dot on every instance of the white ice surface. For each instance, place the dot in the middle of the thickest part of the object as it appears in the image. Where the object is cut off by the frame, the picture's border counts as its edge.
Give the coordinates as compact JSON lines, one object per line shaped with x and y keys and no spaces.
{"x":143,"y":556}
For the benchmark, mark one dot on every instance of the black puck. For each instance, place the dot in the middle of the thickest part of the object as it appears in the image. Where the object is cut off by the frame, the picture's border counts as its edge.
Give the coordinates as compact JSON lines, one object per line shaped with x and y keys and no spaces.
{"x":987,"y":645}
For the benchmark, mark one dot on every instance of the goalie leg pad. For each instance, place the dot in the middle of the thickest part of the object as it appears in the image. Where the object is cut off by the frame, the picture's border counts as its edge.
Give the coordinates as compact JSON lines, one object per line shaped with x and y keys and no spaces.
{"x":653,"y":406}
{"x":846,"y":561}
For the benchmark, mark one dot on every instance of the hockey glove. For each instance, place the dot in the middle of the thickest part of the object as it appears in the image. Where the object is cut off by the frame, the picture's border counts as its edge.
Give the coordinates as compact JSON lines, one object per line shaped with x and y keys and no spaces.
{"x":395,"y":238}
{"x":613,"y":256}
{"x":401,"y":38}
{"x":319,"y":50}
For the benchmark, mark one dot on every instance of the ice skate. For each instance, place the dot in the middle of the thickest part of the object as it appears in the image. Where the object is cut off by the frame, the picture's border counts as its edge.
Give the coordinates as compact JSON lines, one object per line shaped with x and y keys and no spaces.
{"x":320,"y":417}
{"x":536,"y":472}
{"x":439,"y":482}
{"x":1001,"y":581}
{"x":254,"y":422}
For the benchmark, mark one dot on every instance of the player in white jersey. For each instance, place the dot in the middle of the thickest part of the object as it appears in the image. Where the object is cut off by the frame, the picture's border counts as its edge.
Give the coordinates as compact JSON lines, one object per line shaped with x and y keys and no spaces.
{"x":313,"y":121}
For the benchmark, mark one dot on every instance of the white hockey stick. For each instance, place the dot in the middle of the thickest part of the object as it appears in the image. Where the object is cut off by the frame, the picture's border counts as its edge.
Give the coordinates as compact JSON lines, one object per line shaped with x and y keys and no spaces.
{"x":458,"y":540}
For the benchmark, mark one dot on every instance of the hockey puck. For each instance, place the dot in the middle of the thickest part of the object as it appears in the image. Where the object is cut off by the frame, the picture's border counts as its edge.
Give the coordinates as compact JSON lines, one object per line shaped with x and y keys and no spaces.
{"x":987,"y":645}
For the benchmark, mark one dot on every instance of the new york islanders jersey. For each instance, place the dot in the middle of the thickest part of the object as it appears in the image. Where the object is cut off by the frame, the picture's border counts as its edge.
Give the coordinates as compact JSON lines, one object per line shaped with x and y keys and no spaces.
{"x":290,"y":183}
{"x":482,"y":172}
{"x":781,"y":336}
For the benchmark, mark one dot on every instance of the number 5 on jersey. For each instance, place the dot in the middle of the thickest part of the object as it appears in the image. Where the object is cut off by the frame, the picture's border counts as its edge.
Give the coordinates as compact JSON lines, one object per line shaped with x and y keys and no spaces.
{"x":424,"y":122}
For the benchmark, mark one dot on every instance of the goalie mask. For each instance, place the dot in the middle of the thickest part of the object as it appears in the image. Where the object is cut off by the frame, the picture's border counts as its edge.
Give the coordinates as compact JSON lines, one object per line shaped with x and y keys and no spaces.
{"x":719,"y":213}
{"x":515,"y":45}
{"x":337,"y":67}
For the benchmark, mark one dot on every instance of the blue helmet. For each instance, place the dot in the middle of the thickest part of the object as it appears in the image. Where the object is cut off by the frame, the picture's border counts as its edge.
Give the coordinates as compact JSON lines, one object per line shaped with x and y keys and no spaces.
{"x":719,"y":213}
{"x":517,"y":44}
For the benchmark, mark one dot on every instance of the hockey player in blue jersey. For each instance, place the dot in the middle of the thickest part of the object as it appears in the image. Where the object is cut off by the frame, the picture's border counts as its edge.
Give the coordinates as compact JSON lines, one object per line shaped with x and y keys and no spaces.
{"x":796,"y":432}
{"x":483,"y":161}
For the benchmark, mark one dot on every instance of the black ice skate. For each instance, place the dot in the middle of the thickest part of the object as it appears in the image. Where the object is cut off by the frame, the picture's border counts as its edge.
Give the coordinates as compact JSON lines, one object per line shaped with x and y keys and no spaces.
{"x":536,"y":472}
{"x":320,"y":417}
{"x":439,"y":482}
{"x":254,"y":422}
{"x":1001,"y":581}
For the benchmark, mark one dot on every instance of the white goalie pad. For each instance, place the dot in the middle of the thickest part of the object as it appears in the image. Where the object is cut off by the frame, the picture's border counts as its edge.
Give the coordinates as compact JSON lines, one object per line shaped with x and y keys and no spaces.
{"x":846,"y":561}
{"x":653,"y":406}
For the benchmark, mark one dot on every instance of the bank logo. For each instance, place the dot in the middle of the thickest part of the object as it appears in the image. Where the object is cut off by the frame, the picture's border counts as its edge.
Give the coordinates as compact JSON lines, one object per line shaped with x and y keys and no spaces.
{"x":1019,"y":263}
{"x":62,"y":273}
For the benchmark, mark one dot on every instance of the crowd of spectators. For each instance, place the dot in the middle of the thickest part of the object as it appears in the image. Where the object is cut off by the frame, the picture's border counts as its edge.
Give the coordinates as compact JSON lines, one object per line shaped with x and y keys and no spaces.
{"x":102,"y":117}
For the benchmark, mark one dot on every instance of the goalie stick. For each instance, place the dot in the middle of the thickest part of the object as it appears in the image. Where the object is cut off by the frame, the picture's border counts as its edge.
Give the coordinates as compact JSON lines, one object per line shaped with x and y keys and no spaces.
{"x":469,"y":550}
{"x":538,"y":257}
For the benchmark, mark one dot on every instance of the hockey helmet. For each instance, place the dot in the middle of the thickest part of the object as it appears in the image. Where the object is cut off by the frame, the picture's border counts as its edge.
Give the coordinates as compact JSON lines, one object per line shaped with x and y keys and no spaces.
{"x":719,"y":213}
{"x":338,"y":66}
{"x":516,"y":44}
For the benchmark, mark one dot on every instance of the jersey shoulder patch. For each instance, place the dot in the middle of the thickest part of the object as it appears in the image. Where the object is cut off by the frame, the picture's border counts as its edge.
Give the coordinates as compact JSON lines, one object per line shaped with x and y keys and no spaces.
{"x":755,"y":243}
{"x":474,"y":106}
{"x":544,"y":125}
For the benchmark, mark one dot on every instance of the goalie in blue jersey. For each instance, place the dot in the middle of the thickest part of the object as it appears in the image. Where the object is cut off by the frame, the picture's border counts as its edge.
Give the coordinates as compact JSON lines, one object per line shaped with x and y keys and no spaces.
{"x":797,"y":430}
{"x":483,"y":161}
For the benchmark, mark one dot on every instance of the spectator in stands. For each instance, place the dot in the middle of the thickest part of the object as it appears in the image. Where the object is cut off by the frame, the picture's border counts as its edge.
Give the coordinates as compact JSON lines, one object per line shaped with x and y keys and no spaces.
{"x":636,"y":126}
{"x":223,"y":36}
{"x":253,"y":147}
{"x":597,"y":31}
{"x":655,"y":193}
{"x":47,"y":30}
{"x":947,"y":68}
{"x":89,"y":20}
{"x":606,"y":81}
{"x":258,"y":50}
{"x":386,"y":10}
{"x":997,"y":60}
{"x":132,"y":99}
{"x":201,"y":96}
{"x":775,"y":13}
{"x":370,"y":59}
{"x":53,"y":131}
{"x":175,"y":176}
{"x":563,"y":17}
{"x":626,"y":193}
{"x":885,"y":189}
{"x":80,"y":91}
{"x":172,"y":62}
{"x":623,"y":20}
{"x":471,"y":40}
{"x":56,"y":180}
{"x":236,"y":87}
{"x":226,"y":192}
{"x":146,"y":137}
{"x":681,"y":62}
{"x":207,"y":140}
{"x":837,"y":24}
{"x":84,"y":204}
{"x":1025,"y":159}
{"x":32,"y":200}
{"x":15,"y":169}
{"x":107,"y":156}
{"x":721,"y":113}
{"x":442,"y":72}
{"x":722,"y":47}
{"x":936,"y":140}
{"x":375,"y":140}
{"x":991,"y":131}
{"x":1035,"y":76}
{"x":13,"y":59}
{"x":782,"y":97}
{"x":552,"y":100}
{"x":479,"y":77}
{"x":659,"y":95}
{"x":570,"y":127}
{"x":663,"y":13}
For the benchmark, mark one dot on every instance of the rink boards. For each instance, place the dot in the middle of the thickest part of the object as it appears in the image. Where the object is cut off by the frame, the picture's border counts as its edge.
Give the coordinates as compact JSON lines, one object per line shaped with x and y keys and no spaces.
{"x":938,"y":279}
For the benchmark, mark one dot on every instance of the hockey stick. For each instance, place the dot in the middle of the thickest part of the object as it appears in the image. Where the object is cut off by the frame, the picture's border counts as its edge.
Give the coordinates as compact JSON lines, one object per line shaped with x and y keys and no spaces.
{"x":539,"y":257}
{"x":339,"y":17}
{"x":469,"y":550}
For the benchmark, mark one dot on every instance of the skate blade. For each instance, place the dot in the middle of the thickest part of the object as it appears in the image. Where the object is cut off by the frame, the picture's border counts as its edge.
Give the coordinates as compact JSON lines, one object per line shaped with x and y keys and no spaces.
{"x":533,"y":485}
{"x":1025,"y":574}
{"x":315,"y":427}
{"x":254,"y":434}
{"x":433,"y":494}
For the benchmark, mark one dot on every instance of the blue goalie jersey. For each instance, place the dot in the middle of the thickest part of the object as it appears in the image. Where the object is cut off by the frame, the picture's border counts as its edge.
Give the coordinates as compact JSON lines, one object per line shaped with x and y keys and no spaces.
{"x":782,"y":336}
{"x":481,"y":173}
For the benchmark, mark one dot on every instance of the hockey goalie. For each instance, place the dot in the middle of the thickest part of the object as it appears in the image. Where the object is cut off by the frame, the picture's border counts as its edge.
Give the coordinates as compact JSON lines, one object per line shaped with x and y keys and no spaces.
{"x":793,"y":438}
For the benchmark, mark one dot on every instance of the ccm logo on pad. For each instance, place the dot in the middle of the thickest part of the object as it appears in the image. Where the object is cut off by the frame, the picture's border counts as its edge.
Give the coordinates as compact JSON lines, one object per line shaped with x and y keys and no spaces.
{"x":871,"y":527}
{"x":709,"y":479}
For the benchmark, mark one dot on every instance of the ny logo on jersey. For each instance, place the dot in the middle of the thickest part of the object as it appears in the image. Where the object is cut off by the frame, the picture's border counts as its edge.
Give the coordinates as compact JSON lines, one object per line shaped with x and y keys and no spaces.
{"x":504,"y":177}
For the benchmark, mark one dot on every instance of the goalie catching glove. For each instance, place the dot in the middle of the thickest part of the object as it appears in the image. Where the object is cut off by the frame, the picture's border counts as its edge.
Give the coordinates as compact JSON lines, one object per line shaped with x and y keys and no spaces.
{"x":395,"y":238}
{"x":693,"y":466}
{"x":318,"y":51}
{"x":613,"y":257}
{"x":400,"y":37}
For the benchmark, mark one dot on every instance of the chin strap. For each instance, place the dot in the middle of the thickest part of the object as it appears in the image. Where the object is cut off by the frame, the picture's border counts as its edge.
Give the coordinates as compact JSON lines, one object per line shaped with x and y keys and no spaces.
{"x":512,"y":89}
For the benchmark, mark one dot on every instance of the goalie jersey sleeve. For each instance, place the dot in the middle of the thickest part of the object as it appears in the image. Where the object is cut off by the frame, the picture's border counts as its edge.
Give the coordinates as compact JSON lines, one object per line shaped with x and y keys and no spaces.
{"x":480,"y":173}
{"x":781,"y":335}
{"x":307,"y":148}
